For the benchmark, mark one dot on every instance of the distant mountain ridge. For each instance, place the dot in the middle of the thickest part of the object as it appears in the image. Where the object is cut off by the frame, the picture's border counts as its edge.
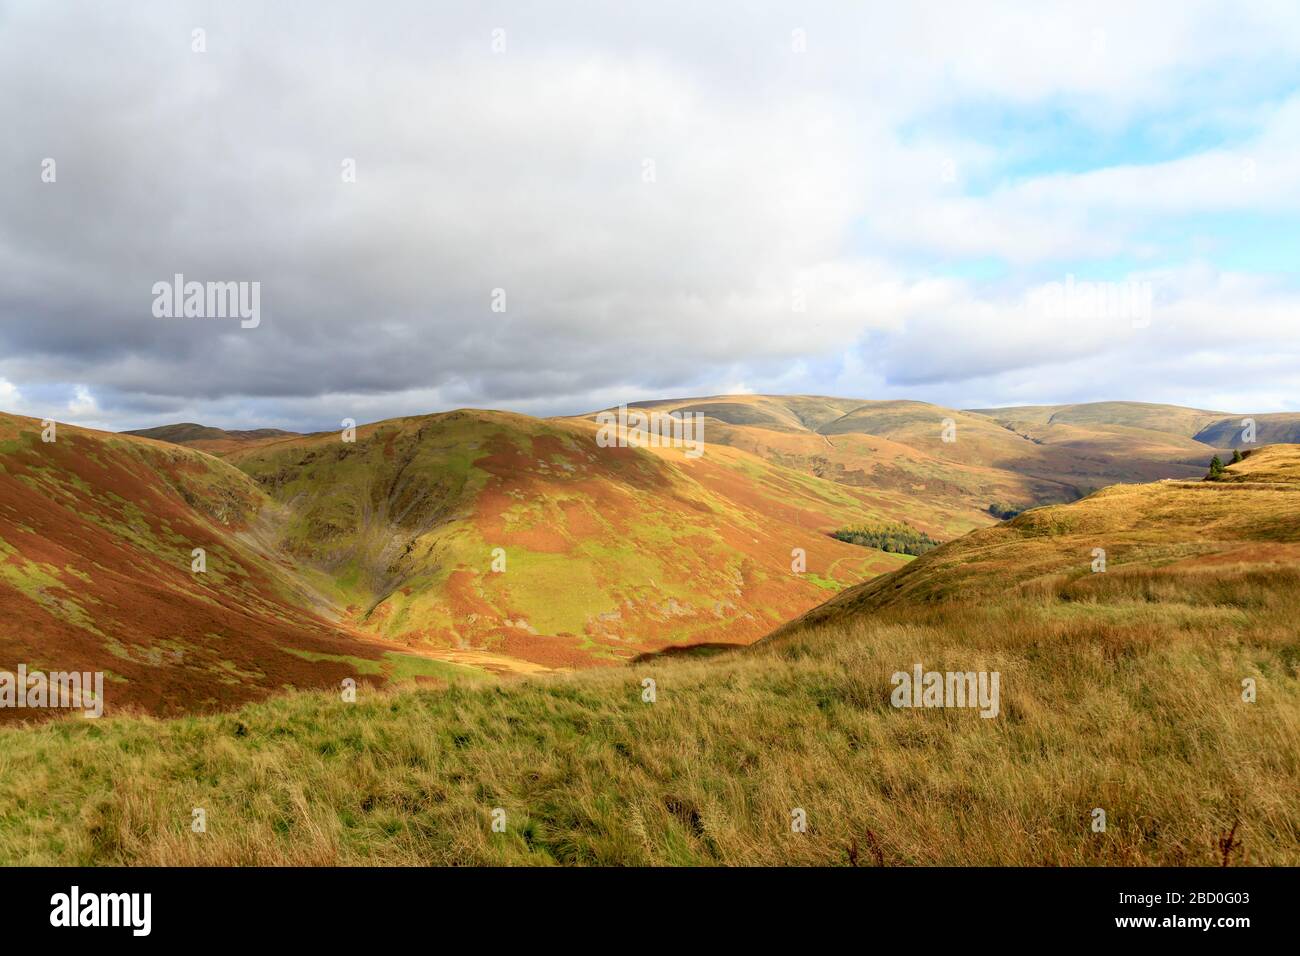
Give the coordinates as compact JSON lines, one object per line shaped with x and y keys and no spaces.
{"x":1218,"y":430}
{"x":187,"y":432}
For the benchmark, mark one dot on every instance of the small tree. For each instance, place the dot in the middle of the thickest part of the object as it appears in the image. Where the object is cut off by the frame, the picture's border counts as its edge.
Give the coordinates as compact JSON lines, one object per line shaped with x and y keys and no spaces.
{"x":1216,"y":469}
{"x":1236,"y":456}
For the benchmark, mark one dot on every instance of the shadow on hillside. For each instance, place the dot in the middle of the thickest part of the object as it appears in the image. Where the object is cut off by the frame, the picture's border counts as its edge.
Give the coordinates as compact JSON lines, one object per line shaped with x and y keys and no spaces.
{"x":707,"y":649}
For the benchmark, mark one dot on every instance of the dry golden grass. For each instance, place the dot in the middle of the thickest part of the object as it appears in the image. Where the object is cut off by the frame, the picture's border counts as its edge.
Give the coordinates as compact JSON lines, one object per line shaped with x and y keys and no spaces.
{"x":1125,"y":696}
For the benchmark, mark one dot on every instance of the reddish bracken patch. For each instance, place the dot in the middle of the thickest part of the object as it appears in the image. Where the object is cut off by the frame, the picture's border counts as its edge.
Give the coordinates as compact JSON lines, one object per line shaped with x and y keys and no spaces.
{"x":99,"y":579}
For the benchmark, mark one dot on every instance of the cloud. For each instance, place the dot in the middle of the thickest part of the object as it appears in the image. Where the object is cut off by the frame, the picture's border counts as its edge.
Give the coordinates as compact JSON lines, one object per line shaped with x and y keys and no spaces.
{"x":10,"y":396}
{"x":665,"y":208}
{"x":83,"y":404}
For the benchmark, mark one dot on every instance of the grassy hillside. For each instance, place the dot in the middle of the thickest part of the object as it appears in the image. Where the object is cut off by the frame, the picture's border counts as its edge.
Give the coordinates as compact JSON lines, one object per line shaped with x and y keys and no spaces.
{"x":608,"y":552}
{"x":1160,"y":534}
{"x":898,"y":482}
{"x":474,"y":541}
{"x":328,"y":559}
{"x":1121,"y":690}
{"x":215,"y":441}
{"x":185,"y":433}
{"x":1196,"y":429}
{"x":1169,"y":419}
{"x":96,"y":539}
{"x":1229,"y":432}
{"x":1028,"y":456}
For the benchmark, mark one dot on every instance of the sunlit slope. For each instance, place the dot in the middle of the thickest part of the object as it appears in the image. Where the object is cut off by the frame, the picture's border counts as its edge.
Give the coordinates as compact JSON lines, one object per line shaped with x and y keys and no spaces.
{"x":939,"y":468}
{"x":607,"y":552}
{"x":96,"y":539}
{"x":1192,"y":429}
{"x":1077,"y":457}
{"x":1153,"y":537}
{"x":957,"y":462}
{"x":941,"y":496}
{"x":1169,"y":419}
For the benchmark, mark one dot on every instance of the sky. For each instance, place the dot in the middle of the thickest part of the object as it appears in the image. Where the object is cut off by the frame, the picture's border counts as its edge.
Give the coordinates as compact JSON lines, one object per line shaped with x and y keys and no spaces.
{"x":556,"y":207}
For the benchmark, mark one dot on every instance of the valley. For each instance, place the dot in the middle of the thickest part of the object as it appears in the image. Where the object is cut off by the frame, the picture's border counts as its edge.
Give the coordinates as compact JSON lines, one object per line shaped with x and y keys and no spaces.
{"x":475,"y":545}
{"x":1163,"y":692}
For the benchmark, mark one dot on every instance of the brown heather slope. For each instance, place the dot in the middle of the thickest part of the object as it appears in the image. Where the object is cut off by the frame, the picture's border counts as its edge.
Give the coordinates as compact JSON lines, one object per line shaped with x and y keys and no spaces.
{"x":1019,"y":456}
{"x":96,"y":535}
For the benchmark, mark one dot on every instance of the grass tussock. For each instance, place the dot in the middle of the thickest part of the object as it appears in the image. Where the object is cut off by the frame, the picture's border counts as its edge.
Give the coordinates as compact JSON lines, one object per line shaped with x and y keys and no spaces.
{"x":1122,"y":693}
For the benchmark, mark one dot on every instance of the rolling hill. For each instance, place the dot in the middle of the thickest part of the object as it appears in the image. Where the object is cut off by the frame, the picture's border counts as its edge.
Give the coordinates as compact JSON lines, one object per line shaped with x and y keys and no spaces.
{"x":1277,"y":428}
{"x":1163,"y":692}
{"x":605,"y":553}
{"x":471,"y":543}
{"x":1029,"y":455}
{"x":215,"y":441}
{"x":1218,"y":430}
{"x":1156,"y":538}
{"x":374,"y":559}
{"x":97,"y":534}
{"x":187,"y":433}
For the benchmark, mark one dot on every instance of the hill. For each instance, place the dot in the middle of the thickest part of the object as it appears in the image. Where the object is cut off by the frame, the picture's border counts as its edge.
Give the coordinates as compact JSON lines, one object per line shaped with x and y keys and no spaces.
{"x":605,"y":553}
{"x":328,"y":559}
{"x":1019,"y":457}
{"x":476,"y":541}
{"x":967,"y":459}
{"x":97,"y":534}
{"x":1168,"y":419}
{"x":1277,"y":428}
{"x":187,"y":432}
{"x":1217,"y":430}
{"x":215,"y":441}
{"x":1164,"y":535}
{"x":1123,"y":691}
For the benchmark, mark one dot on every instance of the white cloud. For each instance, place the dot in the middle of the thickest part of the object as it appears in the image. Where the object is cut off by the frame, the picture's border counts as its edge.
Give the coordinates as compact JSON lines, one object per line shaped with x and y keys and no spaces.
{"x":10,"y":396}
{"x":83,"y":404}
